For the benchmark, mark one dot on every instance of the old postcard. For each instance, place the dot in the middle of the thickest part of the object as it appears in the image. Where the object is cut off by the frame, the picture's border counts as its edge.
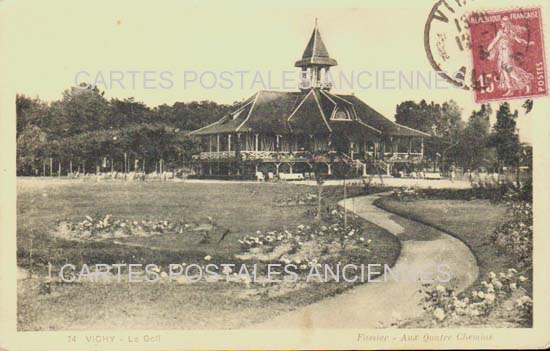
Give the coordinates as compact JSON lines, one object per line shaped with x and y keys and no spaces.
{"x":187,"y":175}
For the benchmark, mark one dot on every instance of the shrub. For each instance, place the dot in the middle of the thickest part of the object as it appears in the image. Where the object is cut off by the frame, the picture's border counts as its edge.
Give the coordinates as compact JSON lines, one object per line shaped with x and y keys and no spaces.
{"x":515,"y":236}
{"x":446,"y":308}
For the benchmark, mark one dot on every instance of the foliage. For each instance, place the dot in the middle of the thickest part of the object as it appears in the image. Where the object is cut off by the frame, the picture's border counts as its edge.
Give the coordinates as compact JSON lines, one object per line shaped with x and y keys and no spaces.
{"x":504,"y":137}
{"x":482,"y":189}
{"x":443,"y":122}
{"x":438,"y":120}
{"x":447,"y":308}
{"x":406,"y":194}
{"x":472,"y":151}
{"x":515,"y":237}
{"x":84,"y":127}
{"x":106,"y":227}
{"x":329,"y":242}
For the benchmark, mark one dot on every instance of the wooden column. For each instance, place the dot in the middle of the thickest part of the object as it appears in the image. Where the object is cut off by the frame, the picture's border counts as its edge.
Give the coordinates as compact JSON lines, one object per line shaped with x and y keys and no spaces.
{"x":237,"y":153}
{"x":229,"y":142}
{"x":217,"y":143}
{"x":329,"y":168}
{"x":256,"y":142}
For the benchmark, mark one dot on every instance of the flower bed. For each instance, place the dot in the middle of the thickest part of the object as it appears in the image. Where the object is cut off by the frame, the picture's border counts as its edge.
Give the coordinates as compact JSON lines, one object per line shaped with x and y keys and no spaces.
{"x":500,"y":293}
{"x":297,"y":200}
{"x":106,"y":227}
{"x":305,"y":246}
{"x":515,"y":237}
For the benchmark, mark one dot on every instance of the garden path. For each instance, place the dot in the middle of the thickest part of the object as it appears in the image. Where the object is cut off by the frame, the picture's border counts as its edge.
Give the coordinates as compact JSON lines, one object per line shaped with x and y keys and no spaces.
{"x":374,"y":305}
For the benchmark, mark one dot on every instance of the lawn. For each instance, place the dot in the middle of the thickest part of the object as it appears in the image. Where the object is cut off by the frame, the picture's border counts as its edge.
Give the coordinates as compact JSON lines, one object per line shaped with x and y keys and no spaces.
{"x":473,"y":222}
{"x":470,"y":221}
{"x":241,"y":209}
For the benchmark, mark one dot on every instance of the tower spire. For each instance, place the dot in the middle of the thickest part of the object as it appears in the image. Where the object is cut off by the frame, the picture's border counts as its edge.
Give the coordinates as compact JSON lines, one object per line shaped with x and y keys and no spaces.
{"x":315,"y":59}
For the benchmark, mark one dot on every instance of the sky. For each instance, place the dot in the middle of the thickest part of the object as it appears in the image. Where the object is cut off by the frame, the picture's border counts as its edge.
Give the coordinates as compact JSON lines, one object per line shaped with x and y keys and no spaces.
{"x":52,"y":45}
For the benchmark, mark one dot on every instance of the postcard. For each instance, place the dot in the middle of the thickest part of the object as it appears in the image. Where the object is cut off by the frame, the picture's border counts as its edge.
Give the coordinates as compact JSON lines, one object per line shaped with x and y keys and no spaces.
{"x":242,"y":175}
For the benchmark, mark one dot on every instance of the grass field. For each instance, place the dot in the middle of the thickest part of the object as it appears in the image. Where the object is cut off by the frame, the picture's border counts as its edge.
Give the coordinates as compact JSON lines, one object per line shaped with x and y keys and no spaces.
{"x":241,"y":208}
{"x":471,"y":221}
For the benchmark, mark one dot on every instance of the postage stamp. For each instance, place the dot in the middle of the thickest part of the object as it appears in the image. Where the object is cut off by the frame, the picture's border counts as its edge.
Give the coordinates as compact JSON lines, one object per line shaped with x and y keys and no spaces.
{"x":508,"y":54}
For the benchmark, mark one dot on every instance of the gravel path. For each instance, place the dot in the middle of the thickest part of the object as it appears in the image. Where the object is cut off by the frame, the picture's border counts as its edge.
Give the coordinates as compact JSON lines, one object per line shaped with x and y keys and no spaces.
{"x":374,"y":305}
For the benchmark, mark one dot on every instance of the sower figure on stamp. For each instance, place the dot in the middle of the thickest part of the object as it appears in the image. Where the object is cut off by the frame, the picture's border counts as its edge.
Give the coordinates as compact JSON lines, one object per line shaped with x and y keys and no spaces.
{"x":511,"y":77}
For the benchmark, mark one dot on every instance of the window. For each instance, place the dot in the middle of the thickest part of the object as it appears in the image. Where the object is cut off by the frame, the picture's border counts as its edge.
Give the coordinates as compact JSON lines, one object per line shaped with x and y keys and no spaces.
{"x":266,"y":143}
{"x":204,"y":144}
{"x":303,"y":143}
{"x":320,"y":143}
{"x":370,"y":146}
{"x":223,"y":142}
{"x":341,"y":114}
{"x":416,"y":146}
{"x":403,"y":145}
{"x":286,"y":143}
{"x":212,"y":143}
{"x":247,"y":142}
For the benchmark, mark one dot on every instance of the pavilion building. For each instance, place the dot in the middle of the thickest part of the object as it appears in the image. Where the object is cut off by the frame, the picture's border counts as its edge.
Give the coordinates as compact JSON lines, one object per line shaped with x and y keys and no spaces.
{"x":285,"y":131}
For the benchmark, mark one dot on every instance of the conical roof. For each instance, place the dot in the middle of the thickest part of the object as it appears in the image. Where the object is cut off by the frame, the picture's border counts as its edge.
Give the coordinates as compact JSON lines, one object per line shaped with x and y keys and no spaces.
{"x":316,"y":53}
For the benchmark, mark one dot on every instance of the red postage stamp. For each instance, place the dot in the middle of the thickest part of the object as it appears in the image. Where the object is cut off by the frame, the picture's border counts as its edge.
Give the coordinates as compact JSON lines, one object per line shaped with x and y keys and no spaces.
{"x":508,"y":54}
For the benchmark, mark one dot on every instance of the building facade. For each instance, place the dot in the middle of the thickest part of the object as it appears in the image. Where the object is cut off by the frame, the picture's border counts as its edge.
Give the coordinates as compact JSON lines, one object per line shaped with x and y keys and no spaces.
{"x":281,"y":131}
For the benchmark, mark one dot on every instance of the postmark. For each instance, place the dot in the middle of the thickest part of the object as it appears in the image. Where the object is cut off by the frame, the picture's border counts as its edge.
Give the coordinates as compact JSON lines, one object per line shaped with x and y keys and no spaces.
{"x":447,"y":41}
{"x":507,"y":51}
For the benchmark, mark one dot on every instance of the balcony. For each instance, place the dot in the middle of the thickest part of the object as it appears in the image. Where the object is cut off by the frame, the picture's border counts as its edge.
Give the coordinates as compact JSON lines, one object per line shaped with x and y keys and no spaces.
{"x":302,"y":156}
{"x":268,"y":156}
{"x":214,"y":155}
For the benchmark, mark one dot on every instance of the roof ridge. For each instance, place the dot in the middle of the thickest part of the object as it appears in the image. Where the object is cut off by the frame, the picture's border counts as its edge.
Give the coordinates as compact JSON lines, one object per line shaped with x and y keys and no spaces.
{"x":415,"y":130}
{"x":249,"y":112}
{"x":321,"y":110}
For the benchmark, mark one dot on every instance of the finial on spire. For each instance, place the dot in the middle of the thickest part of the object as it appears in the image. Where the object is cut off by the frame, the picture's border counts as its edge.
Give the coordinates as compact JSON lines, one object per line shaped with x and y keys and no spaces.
{"x":315,"y":21}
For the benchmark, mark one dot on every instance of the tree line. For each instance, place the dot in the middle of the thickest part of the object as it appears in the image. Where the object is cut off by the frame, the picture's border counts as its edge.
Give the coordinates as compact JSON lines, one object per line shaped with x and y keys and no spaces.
{"x":470,"y":143}
{"x":84,"y":130}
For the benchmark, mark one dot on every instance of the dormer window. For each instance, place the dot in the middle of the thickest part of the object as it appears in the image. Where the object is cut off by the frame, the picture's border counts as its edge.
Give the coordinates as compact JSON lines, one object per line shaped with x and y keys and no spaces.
{"x":341,"y":114}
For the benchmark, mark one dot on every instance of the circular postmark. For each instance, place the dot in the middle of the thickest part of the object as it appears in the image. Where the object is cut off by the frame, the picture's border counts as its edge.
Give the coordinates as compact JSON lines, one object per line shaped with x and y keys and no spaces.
{"x":447,"y":41}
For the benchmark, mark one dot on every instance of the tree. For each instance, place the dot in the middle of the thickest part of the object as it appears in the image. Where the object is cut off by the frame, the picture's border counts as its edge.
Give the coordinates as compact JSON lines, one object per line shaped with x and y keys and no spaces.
{"x":126,"y":112}
{"x":31,"y":148}
{"x":472,"y":149}
{"x":450,"y":123}
{"x":442,"y":122}
{"x":419,"y":116}
{"x":29,"y":112}
{"x":80,"y":110}
{"x":505,"y":137}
